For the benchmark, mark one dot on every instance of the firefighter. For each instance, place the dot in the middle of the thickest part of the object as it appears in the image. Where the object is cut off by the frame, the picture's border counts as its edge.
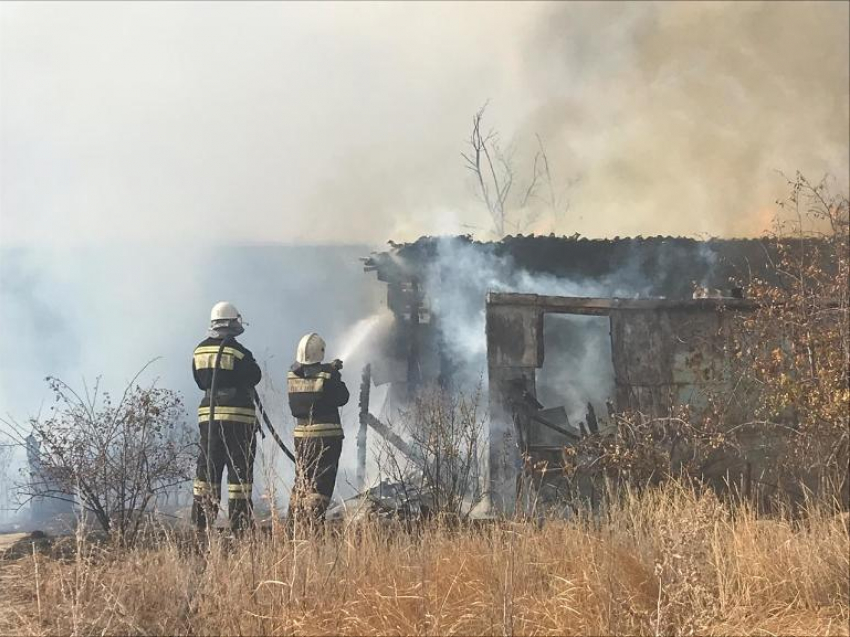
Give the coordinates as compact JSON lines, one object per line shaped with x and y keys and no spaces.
{"x":316,"y":392}
{"x":229,"y":439}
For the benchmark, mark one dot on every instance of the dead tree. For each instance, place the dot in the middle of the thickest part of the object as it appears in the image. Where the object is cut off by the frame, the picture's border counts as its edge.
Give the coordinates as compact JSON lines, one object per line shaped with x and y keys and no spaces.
{"x":492,"y":171}
{"x":495,"y":174}
{"x":555,"y":196}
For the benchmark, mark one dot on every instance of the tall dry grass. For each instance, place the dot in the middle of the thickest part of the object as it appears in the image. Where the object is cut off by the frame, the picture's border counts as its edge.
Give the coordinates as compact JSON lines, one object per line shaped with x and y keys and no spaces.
{"x":669,"y":561}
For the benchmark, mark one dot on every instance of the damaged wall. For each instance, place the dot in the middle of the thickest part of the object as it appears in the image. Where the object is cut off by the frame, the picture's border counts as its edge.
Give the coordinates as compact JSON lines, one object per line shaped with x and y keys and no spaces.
{"x":665,"y":353}
{"x":672,"y":354}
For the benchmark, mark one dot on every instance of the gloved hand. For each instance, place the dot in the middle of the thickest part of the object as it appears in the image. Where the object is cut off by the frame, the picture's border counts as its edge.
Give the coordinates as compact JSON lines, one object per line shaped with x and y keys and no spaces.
{"x":336,"y":364}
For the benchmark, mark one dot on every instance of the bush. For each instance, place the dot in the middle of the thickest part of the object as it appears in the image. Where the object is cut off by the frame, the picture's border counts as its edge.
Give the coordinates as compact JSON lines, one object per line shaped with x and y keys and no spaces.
{"x":445,"y":439}
{"x":795,"y":348}
{"x":112,"y":458}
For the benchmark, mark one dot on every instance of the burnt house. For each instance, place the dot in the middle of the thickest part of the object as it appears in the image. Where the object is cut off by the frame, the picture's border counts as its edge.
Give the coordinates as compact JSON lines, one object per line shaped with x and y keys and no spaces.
{"x":464,"y":307}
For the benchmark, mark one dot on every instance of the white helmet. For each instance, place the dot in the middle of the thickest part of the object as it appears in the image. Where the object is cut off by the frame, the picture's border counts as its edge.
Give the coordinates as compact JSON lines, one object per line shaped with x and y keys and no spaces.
{"x":225,"y":314}
{"x":311,"y":349}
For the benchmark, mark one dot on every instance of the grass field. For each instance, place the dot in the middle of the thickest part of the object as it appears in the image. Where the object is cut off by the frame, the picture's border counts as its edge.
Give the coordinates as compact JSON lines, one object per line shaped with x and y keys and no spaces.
{"x":668,"y":562}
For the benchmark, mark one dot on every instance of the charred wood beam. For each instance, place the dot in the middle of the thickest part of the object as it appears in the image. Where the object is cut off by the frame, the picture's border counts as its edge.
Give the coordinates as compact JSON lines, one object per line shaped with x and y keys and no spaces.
{"x":551,"y":426}
{"x":603,"y":306}
{"x":592,"y":422}
{"x":393,"y":438}
{"x":413,"y":370}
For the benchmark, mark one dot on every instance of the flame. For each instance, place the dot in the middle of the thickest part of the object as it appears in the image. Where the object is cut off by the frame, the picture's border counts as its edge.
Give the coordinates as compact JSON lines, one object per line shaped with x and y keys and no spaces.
{"x":764,"y":220}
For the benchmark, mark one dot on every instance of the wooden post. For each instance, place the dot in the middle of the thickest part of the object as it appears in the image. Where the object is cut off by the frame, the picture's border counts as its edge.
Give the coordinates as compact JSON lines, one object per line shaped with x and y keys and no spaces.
{"x":365,"y":388}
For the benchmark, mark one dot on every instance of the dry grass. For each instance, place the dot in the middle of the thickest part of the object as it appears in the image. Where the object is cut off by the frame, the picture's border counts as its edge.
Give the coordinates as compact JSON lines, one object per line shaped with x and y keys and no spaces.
{"x":668,"y":562}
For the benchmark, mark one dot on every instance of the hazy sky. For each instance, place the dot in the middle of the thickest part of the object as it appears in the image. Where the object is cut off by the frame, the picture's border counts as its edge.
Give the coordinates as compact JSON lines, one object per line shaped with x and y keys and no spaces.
{"x":345,"y":122}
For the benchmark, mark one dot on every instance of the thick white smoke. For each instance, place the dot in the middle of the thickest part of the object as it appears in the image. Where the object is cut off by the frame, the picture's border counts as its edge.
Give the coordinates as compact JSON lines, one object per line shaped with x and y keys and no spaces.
{"x":344,"y":122}
{"x":577,"y":366}
{"x":462,"y":274}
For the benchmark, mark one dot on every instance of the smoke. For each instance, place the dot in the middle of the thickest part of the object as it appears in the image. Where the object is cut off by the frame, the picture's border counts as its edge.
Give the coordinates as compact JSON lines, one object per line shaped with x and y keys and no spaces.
{"x":462,"y":273}
{"x":297,"y":123}
{"x":344,"y":123}
{"x":677,"y":116}
{"x":577,"y":364}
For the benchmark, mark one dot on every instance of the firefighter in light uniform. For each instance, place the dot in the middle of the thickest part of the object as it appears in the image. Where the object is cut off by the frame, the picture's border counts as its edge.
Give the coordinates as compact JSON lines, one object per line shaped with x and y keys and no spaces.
{"x":316,"y":392}
{"x":230,"y":440}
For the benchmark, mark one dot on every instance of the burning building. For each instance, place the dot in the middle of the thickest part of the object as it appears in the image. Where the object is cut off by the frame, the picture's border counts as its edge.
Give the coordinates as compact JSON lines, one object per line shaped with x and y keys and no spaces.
{"x":621,"y":320}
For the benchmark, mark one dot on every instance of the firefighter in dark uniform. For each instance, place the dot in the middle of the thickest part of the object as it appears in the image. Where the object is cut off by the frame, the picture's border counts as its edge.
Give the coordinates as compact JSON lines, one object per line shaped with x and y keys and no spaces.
{"x":229,"y":440}
{"x":316,"y":392}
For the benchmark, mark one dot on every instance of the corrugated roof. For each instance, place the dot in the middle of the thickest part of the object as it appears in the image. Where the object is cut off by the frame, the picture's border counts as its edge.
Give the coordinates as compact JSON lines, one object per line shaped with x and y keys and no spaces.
{"x":672,"y":264}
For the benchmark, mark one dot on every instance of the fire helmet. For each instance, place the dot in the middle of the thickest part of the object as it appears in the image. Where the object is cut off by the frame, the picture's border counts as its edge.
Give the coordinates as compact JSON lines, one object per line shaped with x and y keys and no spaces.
{"x":311,"y":349}
{"x":225,"y":314}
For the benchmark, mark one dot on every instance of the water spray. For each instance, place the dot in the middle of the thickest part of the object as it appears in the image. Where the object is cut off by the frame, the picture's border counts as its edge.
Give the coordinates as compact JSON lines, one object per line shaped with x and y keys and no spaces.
{"x":359,"y":334}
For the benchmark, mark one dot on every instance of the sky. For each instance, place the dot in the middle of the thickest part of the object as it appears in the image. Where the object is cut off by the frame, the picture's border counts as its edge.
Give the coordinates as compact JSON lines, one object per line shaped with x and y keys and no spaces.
{"x":345,"y":122}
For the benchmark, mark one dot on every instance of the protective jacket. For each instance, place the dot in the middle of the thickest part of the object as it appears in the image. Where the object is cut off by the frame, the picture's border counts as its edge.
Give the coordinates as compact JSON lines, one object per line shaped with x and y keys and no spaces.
{"x":316,"y":392}
{"x":238,"y":372}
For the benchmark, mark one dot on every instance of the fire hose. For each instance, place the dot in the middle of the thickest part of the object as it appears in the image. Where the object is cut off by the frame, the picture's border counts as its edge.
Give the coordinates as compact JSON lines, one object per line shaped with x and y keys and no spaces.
{"x":257,"y":401}
{"x":267,"y":422}
{"x":224,"y":342}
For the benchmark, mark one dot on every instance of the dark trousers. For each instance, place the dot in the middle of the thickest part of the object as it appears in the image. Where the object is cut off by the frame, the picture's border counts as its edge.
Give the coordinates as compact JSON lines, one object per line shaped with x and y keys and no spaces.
{"x":317,"y":461}
{"x":231,"y":445}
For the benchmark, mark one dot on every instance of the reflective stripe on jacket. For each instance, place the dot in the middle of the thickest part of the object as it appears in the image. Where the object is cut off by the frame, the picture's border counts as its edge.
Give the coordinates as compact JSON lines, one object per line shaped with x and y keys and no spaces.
{"x":305,"y":429}
{"x":229,"y":414}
